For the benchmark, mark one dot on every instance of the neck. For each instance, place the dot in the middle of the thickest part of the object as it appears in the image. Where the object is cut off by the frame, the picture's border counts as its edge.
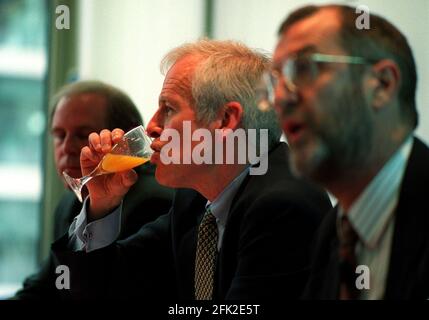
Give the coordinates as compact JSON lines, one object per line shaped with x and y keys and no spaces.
{"x":347,"y":193}
{"x":216,"y":179}
{"x":349,"y":184}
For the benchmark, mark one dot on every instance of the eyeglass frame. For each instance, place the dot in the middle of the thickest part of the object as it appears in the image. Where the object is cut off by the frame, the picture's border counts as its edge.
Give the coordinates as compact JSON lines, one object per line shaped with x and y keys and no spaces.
{"x":313,"y":59}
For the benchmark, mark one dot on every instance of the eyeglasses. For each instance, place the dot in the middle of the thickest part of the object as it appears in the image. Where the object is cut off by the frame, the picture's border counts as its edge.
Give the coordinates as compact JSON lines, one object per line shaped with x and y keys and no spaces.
{"x":298,"y":71}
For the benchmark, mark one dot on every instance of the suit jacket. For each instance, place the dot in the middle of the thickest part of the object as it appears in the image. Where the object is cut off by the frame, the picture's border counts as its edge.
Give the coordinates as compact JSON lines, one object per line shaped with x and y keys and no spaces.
{"x":264,"y":253}
{"x":408,"y":273}
{"x":145,"y":201}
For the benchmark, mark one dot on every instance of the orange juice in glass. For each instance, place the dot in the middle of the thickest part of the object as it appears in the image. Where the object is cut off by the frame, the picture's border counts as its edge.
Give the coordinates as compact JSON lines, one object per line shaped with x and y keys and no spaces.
{"x":132,"y":151}
{"x":118,"y":162}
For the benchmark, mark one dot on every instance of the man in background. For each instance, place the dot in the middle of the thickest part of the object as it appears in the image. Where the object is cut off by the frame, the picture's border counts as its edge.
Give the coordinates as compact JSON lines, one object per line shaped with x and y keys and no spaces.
{"x":79,"y":109}
{"x":346,"y":102}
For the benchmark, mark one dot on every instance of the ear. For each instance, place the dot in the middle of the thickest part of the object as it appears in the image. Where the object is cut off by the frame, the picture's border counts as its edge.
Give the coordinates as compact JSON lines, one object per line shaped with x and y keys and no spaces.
{"x":231,"y":115}
{"x":386,"y":86}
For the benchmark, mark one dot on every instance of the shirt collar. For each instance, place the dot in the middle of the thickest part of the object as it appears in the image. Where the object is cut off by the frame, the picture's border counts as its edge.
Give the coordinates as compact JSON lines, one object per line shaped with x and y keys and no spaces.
{"x":221,"y":205}
{"x":370,"y":213}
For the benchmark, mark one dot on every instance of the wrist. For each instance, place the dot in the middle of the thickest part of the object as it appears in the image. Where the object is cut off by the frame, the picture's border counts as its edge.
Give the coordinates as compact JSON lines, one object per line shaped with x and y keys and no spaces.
{"x":99,"y":209}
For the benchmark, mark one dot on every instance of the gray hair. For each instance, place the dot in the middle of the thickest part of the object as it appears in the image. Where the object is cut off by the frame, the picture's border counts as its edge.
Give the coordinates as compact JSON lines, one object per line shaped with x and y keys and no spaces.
{"x":121,"y":112}
{"x":228,"y":71}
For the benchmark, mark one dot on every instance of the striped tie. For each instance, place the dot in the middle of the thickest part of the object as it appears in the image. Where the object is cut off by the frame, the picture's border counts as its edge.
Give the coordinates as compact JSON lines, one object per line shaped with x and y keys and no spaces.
{"x":348,"y":241}
{"x":205,"y":257}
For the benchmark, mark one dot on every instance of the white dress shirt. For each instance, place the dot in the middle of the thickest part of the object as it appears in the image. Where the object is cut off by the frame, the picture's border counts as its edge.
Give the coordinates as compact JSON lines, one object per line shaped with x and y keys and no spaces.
{"x":101,"y":233}
{"x":373,"y":219}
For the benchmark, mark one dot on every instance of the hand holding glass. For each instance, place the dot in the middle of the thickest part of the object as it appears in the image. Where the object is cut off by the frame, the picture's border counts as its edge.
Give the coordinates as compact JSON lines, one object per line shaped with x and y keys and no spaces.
{"x":131,"y":151}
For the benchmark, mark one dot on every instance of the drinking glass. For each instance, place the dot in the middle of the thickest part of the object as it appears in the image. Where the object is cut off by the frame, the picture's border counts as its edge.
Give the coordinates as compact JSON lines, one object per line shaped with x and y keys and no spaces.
{"x":131,"y":151}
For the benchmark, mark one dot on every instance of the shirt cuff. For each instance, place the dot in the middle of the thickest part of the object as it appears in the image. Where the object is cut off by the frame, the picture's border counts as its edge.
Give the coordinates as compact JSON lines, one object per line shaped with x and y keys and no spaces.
{"x":97,"y":234}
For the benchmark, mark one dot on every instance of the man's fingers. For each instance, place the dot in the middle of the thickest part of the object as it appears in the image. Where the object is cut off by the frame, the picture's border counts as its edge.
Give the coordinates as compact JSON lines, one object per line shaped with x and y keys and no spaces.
{"x":129,"y":178}
{"x":88,"y":154}
{"x":117,"y":135}
{"x":103,"y":142}
{"x":120,"y":182}
{"x":94,"y":141}
{"x":106,"y":140}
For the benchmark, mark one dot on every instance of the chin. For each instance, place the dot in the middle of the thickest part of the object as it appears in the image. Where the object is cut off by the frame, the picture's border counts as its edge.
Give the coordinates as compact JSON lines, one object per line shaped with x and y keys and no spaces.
{"x":308,"y":160}
{"x":165,"y":176}
{"x":174,"y":176}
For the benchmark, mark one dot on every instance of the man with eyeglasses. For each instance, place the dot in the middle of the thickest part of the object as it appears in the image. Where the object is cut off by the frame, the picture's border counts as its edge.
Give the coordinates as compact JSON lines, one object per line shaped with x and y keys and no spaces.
{"x":346,"y":101}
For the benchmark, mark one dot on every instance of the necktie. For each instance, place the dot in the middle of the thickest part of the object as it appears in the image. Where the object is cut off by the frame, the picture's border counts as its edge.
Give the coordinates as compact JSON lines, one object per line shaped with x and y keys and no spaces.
{"x":205,"y":257}
{"x":348,"y":241}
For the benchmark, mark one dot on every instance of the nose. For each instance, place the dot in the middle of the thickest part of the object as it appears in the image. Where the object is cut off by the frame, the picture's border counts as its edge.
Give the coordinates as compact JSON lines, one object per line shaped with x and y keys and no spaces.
{"x":154,"y":127}
{"x":285,"y":96}
{"x":71,"y":145}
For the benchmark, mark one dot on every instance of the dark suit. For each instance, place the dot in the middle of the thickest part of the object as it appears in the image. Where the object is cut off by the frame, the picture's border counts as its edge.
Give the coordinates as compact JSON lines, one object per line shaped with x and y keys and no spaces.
{"x":145,"y":202}
{"x":408,"y":274}
{"x":264,"y":253}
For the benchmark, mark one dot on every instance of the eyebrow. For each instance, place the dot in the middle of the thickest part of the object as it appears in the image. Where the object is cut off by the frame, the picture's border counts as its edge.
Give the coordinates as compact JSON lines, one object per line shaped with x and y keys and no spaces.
{"x":169,"y":97}
{"x":163,"y":99}
{"x":80,"y":128}
{"x":306,"y":50}
{"x":300,"y":52}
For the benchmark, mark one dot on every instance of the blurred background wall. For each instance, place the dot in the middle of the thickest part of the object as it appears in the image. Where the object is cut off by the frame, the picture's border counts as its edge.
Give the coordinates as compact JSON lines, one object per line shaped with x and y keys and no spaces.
{"x":120,"y":42}
{"x":123,"y":41}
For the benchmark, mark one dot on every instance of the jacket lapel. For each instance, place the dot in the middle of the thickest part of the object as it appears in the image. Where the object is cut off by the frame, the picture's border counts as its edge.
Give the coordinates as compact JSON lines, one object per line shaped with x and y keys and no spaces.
{"x":188,"y":210}
{"x":410,"y":234}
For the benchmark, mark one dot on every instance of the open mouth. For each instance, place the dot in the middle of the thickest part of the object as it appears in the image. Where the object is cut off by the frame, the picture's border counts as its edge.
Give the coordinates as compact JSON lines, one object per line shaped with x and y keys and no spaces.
{"x":293,"y":130}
